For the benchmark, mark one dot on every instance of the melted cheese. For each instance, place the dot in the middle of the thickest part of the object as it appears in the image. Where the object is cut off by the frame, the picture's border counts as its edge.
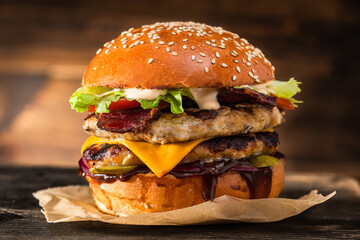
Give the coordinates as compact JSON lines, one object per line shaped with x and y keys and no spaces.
{"x":159,"y":158}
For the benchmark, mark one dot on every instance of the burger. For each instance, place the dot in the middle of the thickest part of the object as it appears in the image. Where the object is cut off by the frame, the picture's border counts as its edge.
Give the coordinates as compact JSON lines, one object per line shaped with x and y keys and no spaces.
{"x":180,"y":113}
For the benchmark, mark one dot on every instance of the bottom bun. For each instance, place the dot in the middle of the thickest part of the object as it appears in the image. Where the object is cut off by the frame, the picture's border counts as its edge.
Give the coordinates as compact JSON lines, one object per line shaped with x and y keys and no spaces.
{"x":147,"y":193}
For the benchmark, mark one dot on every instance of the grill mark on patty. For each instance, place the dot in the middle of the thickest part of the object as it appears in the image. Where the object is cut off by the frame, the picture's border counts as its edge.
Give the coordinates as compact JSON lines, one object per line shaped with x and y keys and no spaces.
{"x":203,"y":114}
{"x":98,"y":152}
{"x":268,"y":141}
{"x":216,"y":145}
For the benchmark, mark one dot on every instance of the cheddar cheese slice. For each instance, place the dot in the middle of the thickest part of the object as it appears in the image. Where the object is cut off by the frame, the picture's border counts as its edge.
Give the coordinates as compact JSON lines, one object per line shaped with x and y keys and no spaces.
{"x":160,"y":158}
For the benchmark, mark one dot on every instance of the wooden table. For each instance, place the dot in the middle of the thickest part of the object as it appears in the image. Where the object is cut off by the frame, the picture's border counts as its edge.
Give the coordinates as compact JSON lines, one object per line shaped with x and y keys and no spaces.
{"x":20,"y":216}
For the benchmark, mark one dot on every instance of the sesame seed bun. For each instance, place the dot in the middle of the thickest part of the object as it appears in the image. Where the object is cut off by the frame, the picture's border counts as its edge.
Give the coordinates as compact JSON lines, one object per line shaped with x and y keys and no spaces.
{"x":146,"y":193}
{"x":175,"y":55}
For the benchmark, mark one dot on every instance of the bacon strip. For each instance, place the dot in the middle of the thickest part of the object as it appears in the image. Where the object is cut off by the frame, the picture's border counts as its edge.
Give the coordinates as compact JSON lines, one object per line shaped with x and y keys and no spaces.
{"x":127,"y":120}
{"x":228,"y":96}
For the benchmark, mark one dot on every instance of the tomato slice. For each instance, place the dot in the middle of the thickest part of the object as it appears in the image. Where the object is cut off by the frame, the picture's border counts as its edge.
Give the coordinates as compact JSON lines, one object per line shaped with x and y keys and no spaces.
{"x":91,"y":108}
{"x":284,"y":104}
{"x":121,"y":104}
{"x":124,"y":104}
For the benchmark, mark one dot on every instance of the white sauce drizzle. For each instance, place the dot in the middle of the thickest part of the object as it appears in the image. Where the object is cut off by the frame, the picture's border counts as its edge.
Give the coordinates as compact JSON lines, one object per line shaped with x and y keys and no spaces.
{"x":206,"y":98}
{"x":146,"y":94}
{"x":261,"y":88}
{"x":108,"y":92}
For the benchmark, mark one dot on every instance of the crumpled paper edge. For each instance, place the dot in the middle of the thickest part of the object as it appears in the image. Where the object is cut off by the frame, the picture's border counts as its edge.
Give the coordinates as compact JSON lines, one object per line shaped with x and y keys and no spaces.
{"x":75,"y":203}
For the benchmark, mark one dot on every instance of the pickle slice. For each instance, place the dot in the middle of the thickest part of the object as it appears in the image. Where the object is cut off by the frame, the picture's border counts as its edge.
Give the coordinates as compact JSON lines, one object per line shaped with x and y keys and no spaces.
{"x":113,"y":169}
{"x":264,"y":161}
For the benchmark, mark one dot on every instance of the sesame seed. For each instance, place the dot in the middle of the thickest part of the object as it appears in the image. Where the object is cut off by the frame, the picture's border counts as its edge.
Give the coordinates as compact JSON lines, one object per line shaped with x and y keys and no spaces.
{"x":167,"y":49}
{"x":214,"y":45}
{"x":213,"y":61}
{"x":243,"y":60}
{"x":206,"y":69}
{"x":171,"y":43}
{"x":190,"y":34}
{"x":248,"y":64}
{"x":256,"y":62}
{"x":107,"y":51}
{"x":94,"y":68}
{"x":193,"y":47}
{"x":202,"y":54}
{"x":236,"y":61}
{"x":238,"y":69}
{"x":184,"y":47}
{"x":124,"y":46}
{"x":234,"y":78}
{"x":98,"y":51}
{"x":173,"y":33}
{"x":161,"y":43}
{"x":156,"y":47}
{"x":224,"y":65}
{"x":222,"y":46}
{"x":213,"y":40}
{"x":193,"y":57}
{"x":251,"y":75}
{"x":152,"y":40}
{"x":207,"y":42}
{"x":131,"y":45}
{"x":150,"y":60}
{"x":185,"y":40}
{"x":174,"y":53}
{"x":257,"y":80}
{"x":199,"y":61}
{"x":253,"y":70}
{"x":217,"y":55}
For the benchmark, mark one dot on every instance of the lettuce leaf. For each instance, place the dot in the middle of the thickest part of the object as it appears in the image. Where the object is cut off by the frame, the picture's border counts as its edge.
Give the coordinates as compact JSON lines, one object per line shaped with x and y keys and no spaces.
{"x":264,"y":161}
{"x":285,"y":89}
{"x":173,"y":96}
{"x":100,"y":97}
{"x":280,"y":89}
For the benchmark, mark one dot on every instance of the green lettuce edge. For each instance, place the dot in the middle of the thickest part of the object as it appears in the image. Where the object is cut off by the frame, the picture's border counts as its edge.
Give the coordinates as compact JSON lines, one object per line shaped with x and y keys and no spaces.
{"x":84,"y":97}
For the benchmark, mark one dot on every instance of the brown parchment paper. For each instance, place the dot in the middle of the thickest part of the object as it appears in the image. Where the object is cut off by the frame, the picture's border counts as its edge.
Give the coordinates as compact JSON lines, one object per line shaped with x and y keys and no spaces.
{"x":75,"y":203}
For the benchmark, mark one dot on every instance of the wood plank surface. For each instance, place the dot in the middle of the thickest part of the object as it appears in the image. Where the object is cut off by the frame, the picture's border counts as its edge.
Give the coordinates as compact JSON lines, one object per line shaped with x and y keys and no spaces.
{"x":20,"y":216}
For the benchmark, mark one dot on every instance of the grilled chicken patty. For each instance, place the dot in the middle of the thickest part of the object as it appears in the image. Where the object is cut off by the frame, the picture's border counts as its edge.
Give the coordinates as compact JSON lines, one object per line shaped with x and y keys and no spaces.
{"x":236,"y":147}
{"x":169,"y":127}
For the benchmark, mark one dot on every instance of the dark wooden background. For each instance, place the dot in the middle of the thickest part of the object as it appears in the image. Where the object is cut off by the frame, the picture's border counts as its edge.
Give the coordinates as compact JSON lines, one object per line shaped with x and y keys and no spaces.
{"x":46,"y":45}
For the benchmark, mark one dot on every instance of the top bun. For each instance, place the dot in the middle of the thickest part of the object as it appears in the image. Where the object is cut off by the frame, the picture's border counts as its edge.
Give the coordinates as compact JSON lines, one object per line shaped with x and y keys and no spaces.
{"x":176,"y":55}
